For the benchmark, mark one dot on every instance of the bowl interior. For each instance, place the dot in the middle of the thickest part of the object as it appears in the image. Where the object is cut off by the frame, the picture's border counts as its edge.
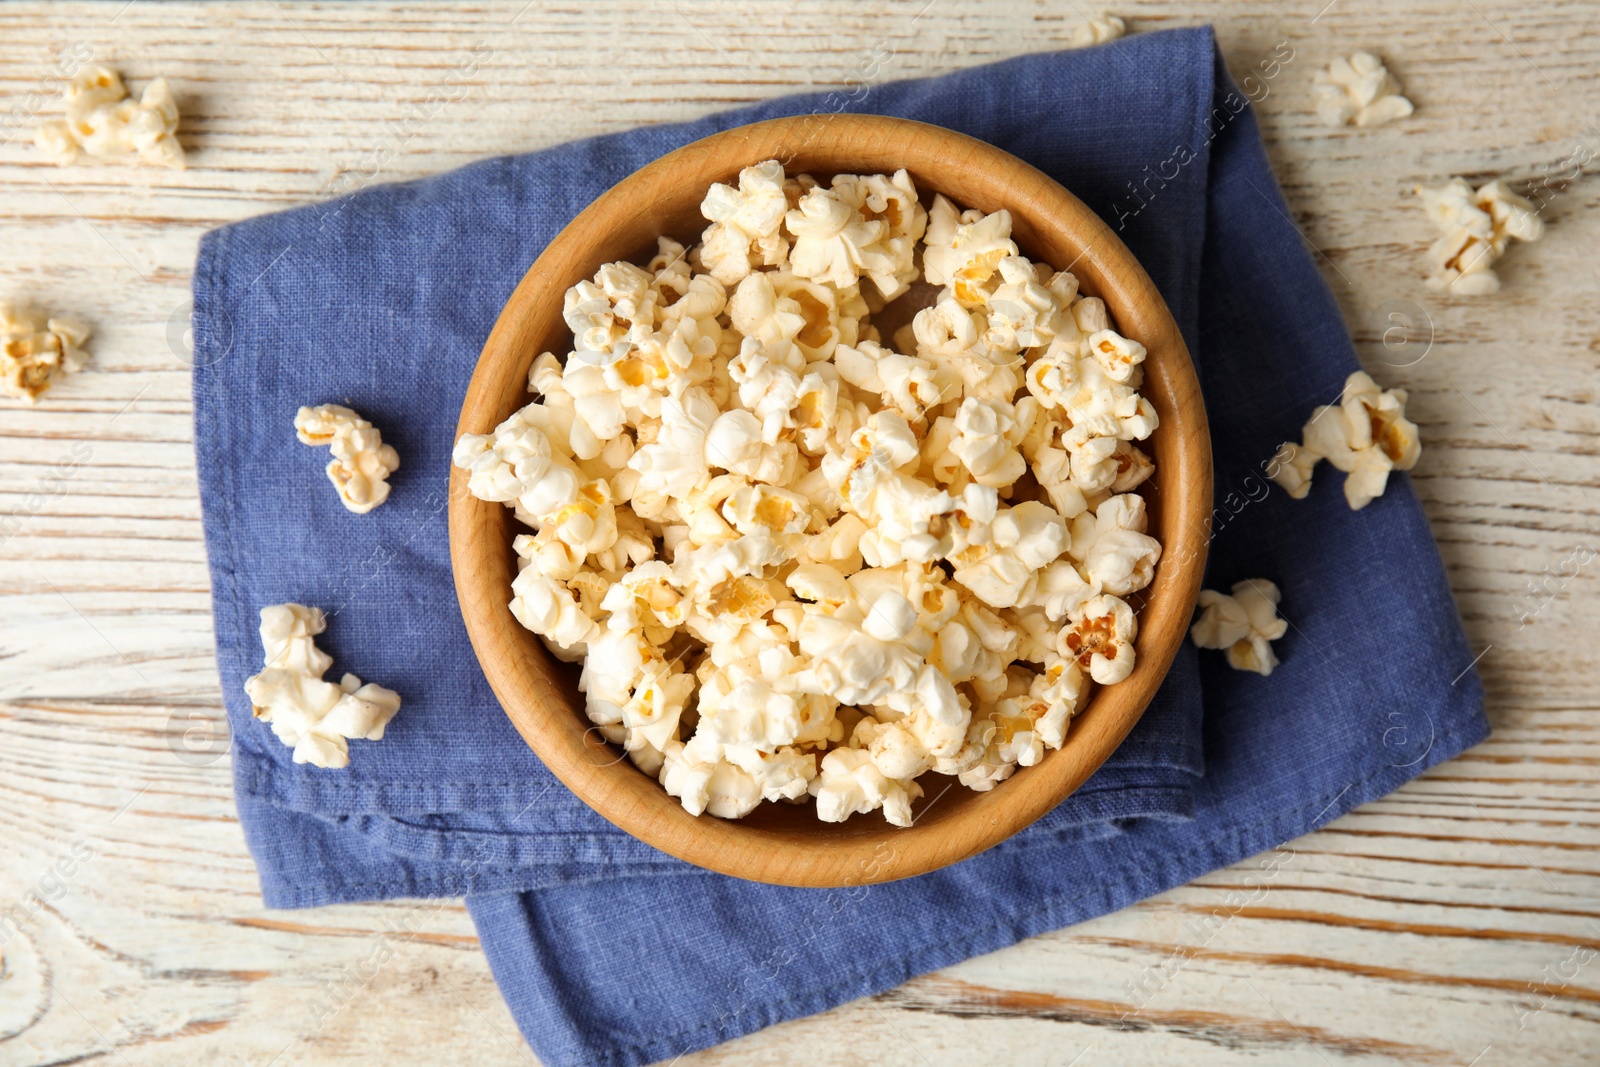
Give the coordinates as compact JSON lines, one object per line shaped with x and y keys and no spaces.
{"x":786,"y":843}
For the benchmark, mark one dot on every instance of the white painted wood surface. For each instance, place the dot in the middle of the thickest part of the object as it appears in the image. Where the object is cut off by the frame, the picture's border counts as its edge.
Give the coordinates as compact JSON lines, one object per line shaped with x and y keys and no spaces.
{"x":1452,"y":923}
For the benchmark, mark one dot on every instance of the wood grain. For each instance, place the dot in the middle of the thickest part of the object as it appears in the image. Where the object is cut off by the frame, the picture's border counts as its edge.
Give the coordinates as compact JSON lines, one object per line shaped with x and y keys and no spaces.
{"x":779,"y":843}
{"x":1437,"y":925}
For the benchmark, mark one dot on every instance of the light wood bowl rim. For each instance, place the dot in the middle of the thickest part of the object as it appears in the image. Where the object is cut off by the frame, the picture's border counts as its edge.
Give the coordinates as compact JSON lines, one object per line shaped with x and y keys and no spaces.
{"x":778,"y":844}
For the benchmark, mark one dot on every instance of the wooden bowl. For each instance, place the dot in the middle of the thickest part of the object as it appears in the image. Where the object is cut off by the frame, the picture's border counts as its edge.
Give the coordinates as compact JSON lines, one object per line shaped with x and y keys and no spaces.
{"x":780,"y":843}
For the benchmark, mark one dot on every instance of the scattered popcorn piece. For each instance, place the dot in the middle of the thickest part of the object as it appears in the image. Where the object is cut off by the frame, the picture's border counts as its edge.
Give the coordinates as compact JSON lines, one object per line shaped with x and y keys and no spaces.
{"x":35,"y":351}
{"x":1476,"y":228}
{"x":1096,"y":31}
{"x":799,"y":559}
{"x":1293,"y":465}
{"x":1245,"y":624}
{"x":1366,"y":435}
{"x":1359,"y":90}
{"x":315,"y":718}
{"x":361,"y":462}
{"x":103,"y":121}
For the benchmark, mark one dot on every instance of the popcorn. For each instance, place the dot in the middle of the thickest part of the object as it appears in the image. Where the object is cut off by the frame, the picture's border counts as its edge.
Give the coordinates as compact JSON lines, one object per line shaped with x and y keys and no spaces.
{"x":861,"y":226}
{"x":1102,"y":640}
{"x":518,"y":464}
{"x":1028,"y":716}
{"x":986,"y":442}
{"x":1097,"y":31}
{"x":361,"y":462}
{"x":906,"y":383}
{"x":762,"y":317}
{"x":618,"y":304}
{"x":1366,"y":435}
{"x":1093,"y":402}
{"x":1062,"y":590}
{"x":839,"y":545}
{"x":782,"y":775}
{"x":1025,"y":312}
{"x":872,"y":652}
{"x":1359,"y":90}
{"x":651,"y":714}
{"x":315,"y":718}
{"x":1245,"y":624}
{"x":1476,"y":229}
{"x":734,"y":443}
{"x":1054,"y":696}
{"x":831,"y":238}
{"x":674,"y":463}
{"x":1112,"y":546}
{"x":714,"y":786}
{"x":545,"y":605}
{"x":103,"y":121}
{"x":1000,"y":566}
{"x":753,"y":702}
{"x":745,"y":224}
{"x":35,"y":351}
{"x":848,"y":783}
{"x":905,"y":747}
{"x":975,"y":645}
{"x":783,"y":514}
{"x":1293,"y":467}
{"x":963,"y":251}
{"x":1116,"y":355}
{"x":621,"y":661}
{"x":799,"y":559}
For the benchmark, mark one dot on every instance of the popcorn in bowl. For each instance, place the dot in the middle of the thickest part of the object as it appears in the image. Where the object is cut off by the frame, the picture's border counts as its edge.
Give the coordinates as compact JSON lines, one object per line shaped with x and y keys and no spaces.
{"x":798,"y":558}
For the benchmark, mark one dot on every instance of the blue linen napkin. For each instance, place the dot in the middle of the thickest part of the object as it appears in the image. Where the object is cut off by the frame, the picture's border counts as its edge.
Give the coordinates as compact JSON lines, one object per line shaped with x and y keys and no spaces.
{"x":607,"y":951}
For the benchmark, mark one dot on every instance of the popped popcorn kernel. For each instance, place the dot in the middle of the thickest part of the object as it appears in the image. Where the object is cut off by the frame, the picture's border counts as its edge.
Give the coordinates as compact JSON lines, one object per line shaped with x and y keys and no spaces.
{"x":36,"y":351}
{"x":1366,"y":435}
{"x":104,"y":121}
{"x":1359,"y":91}
{"x":361,"y":462}
{"x":1245,"y":624}
{"x":1476,"y":227}
{"x":317,"y":719}
{"x":1097,"y":31}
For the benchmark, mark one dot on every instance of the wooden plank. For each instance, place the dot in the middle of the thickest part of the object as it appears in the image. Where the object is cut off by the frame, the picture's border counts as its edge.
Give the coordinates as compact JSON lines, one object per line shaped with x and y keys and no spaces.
{"x":1440,"y":924}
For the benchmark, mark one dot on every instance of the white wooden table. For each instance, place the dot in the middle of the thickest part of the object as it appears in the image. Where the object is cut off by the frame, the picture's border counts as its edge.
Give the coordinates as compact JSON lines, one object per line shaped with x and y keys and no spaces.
{"x":1454,"y":922}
